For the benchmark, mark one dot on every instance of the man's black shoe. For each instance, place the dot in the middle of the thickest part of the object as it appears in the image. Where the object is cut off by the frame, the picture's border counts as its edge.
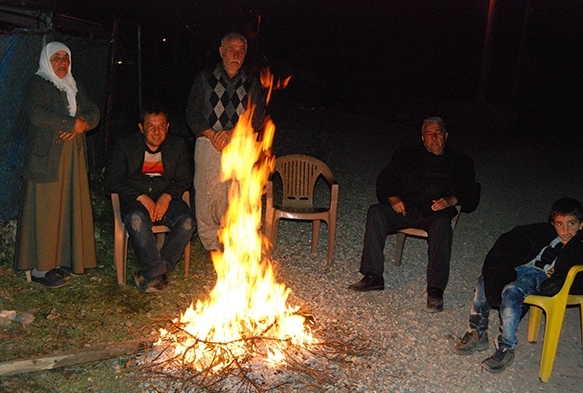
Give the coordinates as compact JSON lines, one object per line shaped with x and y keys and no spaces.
{"x":140,"y":280}
{"x":368,"y":283}
{"x":156,"y":284}
{"x":434,"y":304}
{"x":434,"y":300}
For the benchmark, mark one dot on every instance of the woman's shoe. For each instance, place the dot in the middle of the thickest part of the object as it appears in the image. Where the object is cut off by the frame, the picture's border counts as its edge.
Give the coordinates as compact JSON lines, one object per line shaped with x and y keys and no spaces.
{"x":50,"y":280}
{"x":63,"y":273}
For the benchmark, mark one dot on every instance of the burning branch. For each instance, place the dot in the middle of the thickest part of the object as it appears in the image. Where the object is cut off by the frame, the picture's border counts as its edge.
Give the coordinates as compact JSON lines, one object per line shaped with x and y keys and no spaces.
{"x":309,"y":368}
{"x":245,"y":337}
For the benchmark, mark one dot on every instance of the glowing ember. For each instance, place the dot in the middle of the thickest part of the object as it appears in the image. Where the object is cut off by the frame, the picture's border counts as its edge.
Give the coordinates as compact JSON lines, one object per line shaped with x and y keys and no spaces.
{"x":247,"y":307}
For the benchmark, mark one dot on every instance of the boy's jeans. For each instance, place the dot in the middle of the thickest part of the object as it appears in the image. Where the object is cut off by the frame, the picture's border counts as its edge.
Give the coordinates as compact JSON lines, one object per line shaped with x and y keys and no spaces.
{"x":528,"y":281}
{"x":178,"y":218}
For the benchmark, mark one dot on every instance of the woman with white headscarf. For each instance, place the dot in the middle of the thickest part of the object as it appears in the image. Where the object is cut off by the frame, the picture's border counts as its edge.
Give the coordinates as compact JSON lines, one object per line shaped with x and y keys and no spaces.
{"x":55,"y":235}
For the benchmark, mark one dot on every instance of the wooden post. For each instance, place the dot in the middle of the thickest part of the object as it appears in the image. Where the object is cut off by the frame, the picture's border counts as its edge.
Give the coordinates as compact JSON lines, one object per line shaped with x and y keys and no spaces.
{"x":100,"y":352}
{"x":487,"y":55}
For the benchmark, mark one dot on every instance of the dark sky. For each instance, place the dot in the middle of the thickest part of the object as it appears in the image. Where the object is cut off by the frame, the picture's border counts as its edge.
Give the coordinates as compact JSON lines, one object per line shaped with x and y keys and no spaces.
{"x":370,"y":54}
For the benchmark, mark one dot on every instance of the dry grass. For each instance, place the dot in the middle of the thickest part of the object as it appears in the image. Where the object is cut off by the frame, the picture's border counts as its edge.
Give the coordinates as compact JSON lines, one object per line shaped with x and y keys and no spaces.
{"x":92,"y":309}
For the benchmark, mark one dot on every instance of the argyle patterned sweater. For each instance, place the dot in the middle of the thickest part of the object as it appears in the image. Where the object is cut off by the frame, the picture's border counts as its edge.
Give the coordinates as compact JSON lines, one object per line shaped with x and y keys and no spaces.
{"x":217,"y":101}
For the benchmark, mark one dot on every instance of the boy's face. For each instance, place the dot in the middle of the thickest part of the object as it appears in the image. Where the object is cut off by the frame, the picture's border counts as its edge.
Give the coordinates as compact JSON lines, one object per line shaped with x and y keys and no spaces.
{"x":567,"y":226}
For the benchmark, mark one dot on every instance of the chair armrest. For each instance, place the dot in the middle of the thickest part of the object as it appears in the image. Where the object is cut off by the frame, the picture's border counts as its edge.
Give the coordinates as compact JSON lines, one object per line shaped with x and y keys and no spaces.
{"x":186,"y":197}
{"x":571,"y":277}
{"x":116,"y":209}
{"x":553,"y":288}
{"x":334,"y":195}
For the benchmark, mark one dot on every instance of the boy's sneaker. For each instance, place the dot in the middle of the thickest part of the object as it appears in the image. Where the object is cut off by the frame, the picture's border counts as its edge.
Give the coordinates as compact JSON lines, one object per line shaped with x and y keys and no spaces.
{"x":471,"y":342}
{"x":501,"y":359}
{"x":50,"y":280}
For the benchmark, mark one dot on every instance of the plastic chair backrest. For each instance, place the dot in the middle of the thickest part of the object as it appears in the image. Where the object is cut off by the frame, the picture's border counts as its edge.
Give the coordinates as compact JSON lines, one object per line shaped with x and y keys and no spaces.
{"x":299,"y":174}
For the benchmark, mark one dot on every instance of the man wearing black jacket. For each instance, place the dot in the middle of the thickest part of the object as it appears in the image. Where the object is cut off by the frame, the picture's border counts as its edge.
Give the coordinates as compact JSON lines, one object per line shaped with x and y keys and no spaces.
{"x":150,"y":171}
{"x":530,"y":259}
{"x":419,"y":188}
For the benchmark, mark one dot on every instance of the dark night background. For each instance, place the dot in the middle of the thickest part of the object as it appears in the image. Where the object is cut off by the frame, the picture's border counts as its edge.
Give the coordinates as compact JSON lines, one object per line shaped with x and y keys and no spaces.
{"x":369,"y":56}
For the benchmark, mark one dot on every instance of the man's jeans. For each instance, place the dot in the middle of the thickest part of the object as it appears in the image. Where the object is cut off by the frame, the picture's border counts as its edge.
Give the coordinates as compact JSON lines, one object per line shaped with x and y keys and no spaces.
{"x":528,"y":282}
{"x":178,"y":218}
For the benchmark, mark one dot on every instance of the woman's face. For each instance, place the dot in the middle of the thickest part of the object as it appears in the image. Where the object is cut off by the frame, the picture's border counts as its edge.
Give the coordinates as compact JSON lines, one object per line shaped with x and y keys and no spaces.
{"x":60,"y":62}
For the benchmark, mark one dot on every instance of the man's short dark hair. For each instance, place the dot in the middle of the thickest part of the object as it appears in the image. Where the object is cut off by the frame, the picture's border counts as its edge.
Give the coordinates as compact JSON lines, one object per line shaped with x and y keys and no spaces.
{"x":153,"y":108}
{"x":567,"y":207}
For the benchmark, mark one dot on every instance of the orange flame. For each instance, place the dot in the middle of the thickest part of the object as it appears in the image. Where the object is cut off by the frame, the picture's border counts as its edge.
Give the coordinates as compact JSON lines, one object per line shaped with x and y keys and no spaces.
{"x":267,"y":79}
{"x":246,"y":301}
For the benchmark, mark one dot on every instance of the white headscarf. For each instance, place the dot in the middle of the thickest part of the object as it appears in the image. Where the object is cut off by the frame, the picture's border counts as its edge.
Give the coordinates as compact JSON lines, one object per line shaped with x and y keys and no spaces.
{"x":66,"y":84}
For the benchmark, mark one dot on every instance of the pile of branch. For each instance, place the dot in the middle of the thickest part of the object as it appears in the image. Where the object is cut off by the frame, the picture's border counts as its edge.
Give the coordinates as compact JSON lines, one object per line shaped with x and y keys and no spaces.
{"x":310,"y":368}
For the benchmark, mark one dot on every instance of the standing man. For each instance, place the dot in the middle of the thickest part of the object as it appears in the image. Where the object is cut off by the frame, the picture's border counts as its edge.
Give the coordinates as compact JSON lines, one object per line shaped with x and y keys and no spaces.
{"x":150,"y":171}
{"x":419,"y":188}
{"x":217,"y":99}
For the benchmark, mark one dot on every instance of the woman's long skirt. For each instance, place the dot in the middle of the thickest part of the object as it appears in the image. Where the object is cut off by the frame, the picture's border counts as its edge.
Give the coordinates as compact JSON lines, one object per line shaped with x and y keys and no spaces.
{"x":55,"y":224}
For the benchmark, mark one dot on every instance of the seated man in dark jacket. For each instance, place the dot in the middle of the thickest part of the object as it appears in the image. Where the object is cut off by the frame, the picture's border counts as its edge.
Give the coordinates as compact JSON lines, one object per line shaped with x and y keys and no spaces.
{"x":419,"y":188}
{"x":150,"y":171}
{"x":530,"y":259}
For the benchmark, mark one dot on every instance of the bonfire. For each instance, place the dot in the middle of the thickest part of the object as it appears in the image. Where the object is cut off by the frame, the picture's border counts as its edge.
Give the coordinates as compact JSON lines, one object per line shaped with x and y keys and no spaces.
{"x":247,"y":303}
{"x":228,"y":341}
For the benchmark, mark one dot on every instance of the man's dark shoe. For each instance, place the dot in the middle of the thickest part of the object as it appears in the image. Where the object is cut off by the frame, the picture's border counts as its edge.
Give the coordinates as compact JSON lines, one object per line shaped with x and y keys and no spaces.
{"x":471,"y":342}
{"x":434,"y":300}
{"x":157,"y":284}
{"x":501,"y":359}
{"x":50,"y":280}
{"x":368,"y":283}
{"x":434,"y":304}
{"x":140,"y":280}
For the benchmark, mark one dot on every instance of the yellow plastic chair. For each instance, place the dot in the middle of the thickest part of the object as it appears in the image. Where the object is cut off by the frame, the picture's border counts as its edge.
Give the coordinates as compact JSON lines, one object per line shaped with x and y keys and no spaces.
{"x":416,"y":232}
{"x":299,"y":174}
{"x":121,"y":240}
{"x":554,"y":307}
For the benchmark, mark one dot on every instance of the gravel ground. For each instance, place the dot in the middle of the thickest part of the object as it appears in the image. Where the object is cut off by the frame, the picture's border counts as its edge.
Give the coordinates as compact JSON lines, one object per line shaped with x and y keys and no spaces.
{"x":520,"y":177}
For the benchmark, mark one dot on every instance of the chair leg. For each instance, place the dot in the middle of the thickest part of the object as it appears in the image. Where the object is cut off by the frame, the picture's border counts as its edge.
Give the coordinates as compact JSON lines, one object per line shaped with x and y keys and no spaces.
{"x":28,"y":275}
{"x":120,"y":249}
{"x":186,"y":260}
{"x":535,"y":314}
{"x":400,"y":244}
{"x":271,"y":226}
{"x":331,"y":241}
{"x":160,"y":239}
{"x":315,"y":235}
{"x":554,"y":323}
{"x":581,"y":314}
